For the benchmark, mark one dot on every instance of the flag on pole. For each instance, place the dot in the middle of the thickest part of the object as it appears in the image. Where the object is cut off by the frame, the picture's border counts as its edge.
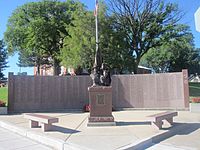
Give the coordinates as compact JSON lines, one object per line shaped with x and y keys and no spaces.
{"x":96,"y":8}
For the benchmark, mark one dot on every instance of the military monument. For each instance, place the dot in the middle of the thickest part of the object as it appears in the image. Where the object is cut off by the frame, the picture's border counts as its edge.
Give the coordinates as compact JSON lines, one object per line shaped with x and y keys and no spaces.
{"x":100,"y":93}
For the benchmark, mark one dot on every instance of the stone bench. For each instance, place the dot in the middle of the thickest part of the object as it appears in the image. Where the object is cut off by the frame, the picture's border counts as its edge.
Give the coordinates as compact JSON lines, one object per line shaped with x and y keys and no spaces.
{"x":157,"y":119}
{"x":45,"y":121}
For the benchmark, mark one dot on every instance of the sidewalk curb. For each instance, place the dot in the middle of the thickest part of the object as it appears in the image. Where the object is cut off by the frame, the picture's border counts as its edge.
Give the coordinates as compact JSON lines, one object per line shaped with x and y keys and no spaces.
{"x":62,"y":145}
{"x":145,"y":143}
{"x":49,"y":141}
{"x":13,"y":128}
{"x":39,"y":137}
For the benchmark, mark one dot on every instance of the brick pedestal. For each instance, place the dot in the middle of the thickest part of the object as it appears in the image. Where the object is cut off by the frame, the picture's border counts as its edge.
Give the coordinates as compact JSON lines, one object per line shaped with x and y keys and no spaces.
{"x":100,"y":106}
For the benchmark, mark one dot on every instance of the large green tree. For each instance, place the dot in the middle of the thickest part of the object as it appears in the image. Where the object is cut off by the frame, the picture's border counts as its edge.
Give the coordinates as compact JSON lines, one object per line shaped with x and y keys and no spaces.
{"x":79,"y":47}
{"x":174,"y":56}
{"x":127,"y":30}
{"x":184,"y":56}
{"x":3,"y":59}
{"x":146,"y":24}
{"x":37,"y":30}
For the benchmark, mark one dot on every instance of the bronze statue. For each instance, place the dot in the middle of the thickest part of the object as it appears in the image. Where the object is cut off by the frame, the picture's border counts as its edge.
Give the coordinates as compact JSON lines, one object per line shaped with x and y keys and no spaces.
{"x":101,"y":73}
{"x":105,"y":78}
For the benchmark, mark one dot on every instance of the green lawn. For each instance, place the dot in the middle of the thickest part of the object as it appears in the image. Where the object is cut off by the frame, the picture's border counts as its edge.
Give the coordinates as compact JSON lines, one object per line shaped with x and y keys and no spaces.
{"x":4,"y":94}
{"x":194,"y":89}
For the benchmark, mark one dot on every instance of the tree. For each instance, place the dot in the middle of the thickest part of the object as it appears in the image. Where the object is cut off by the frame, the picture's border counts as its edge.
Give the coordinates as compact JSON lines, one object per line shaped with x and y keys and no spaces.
{"x":79,"y":47}
{"x":158,"y":59}
{"x":176,"y":55}
{"x":196,"y":67}
{"x":37,"y":30}
{"x":3,"y":58}
{"x":184,"y":56}
{"x":146,"y":24}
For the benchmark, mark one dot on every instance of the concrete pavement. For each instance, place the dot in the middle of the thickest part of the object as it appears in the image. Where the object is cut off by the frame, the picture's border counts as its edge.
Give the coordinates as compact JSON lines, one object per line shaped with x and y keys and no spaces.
{"x":169,"y":147}
{"x":13,"y":141}
{"x":133,"y":131}
{"x":187,"y":139}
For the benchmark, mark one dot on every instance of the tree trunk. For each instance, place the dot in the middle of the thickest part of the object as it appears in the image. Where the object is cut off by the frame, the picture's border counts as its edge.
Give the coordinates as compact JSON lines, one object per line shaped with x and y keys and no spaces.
{"x":135,"y":70}
{"x":38,"y":70}
{"x":56,"y":67}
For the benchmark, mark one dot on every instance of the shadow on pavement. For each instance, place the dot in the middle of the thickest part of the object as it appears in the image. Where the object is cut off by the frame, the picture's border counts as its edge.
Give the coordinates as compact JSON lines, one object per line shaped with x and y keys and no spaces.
{"x":176,"y":129}
{"x":189,"y":128}
{"x":63,"y":130}
{"x":121,"y":123}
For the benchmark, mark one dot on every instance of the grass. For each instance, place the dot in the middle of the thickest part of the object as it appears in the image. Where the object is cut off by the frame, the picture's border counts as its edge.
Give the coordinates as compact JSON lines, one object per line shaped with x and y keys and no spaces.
{"x":4,"y":94}
{"x":194,"y":88}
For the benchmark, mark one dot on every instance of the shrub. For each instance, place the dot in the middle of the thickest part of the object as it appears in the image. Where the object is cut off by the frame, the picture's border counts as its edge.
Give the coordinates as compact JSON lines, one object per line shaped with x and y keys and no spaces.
{"x":2,"y":104}
{"x":87,"y":108}
{"x":196,"y":100}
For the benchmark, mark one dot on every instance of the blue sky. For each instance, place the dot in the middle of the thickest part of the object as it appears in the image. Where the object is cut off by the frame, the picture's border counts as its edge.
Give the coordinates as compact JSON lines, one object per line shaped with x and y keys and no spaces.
{"x":7,"y":7}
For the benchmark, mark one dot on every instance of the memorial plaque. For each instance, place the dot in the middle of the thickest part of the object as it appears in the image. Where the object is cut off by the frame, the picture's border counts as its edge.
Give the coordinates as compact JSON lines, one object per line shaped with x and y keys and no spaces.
{"x":100,"y":99}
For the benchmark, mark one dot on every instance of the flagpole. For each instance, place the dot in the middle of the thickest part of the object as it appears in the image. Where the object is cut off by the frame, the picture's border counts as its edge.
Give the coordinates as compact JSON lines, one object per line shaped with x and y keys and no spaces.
{"x":96,"y":20}
{"x":100,"y":74}
{"x":98,"y":59}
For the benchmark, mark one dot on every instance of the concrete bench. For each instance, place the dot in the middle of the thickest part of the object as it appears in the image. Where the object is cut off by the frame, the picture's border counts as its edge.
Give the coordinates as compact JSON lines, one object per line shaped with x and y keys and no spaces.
{"x":157,"y":119}
{"x":45,"y":121}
